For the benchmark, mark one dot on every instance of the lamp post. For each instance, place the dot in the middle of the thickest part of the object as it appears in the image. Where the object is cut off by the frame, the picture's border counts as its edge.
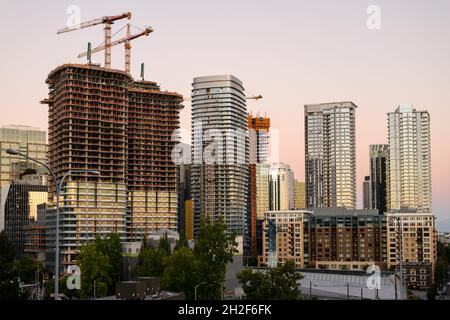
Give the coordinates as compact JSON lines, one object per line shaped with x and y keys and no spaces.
{"x":195,"y":289}
{"x":38,"y":282}
{"x":221,"y":287}
{"x":94,"y":286}
{"x":399,"y":225}
{"x":58,"y":187}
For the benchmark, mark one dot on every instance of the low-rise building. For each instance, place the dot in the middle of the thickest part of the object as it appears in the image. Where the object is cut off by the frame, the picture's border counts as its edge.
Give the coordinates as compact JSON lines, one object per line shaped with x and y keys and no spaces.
{"x":444,"y":237}
{"x":340,"y":238}
{"x":418,"y":275}
{"x":418,"y":237}
{"x":284,"y":238}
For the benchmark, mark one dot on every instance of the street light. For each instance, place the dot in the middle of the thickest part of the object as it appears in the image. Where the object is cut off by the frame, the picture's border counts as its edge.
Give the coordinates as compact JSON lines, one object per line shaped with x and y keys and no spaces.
{"x":94,"y":286}
{"x":195,"y":289}
{"x":58,"y":191}
{"x":399,"y":225}
{"x":221,"y":287}
{"x":38,"y":282}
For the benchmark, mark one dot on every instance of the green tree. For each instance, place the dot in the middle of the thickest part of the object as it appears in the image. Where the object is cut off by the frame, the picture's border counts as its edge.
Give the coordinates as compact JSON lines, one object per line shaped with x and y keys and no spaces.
{"x":27,"y":172}
{"x":25,"y":269}
{"x":432,"y":292}
{"x":94,"y":265}
{"x":9,"y":286}
{"x":63,"y":289}
{"x":256,"y":285}
{"x":151,"y":263}
{"x":181,"y":243}
{"x":111,"y":248}
{"x":181,"y":272}
{"x":279,"y":283}
{"x":213,"y":250}
{"x":164,"y":246}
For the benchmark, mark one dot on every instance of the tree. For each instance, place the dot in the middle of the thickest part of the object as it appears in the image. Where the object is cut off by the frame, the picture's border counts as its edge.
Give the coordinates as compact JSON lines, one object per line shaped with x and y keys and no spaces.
{"x":25,"y":269}
{"x":279,"y":283}
{"x":151,"y":262}
{"x":432,"y":292}
{"x":164,"y":246}
{"x":256,"y":285}
{"x":9,"y":286}
{"x":181,"y":243}
{"x":27,"y":172}
{"x":285,"y":281}
{"x":213,"y":250}
{"x":7,"y":254}
{"x":63,"y":289}
{"x":181,"y":272}
{"x":112,"y":248}
{"x":94,"y":265}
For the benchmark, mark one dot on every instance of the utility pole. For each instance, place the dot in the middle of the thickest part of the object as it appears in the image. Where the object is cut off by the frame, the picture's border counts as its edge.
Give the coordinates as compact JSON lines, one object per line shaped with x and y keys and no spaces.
{"x":348,"y":291}
{"x":395,"y":286}
{"x":399,"y":222}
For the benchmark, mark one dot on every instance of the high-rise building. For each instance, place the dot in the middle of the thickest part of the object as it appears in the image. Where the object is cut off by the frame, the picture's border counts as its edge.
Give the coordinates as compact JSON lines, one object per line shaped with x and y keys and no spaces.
{"x":88,"y":117}
{"x":300,"y":196}
{"x":330,"y":155}
{"x":28,"y":140}
{"x":35,"y":235}
{"x":409,"y":159}
{"x":378,"y":176}
{"x":220,"y":151}
{"x":153,"y":117}
{"x":367,"y":193}
{"x":19,"y":209}
{"x":281,"y":188}
{"x":258,"y":190}
{"x":100,"y":119}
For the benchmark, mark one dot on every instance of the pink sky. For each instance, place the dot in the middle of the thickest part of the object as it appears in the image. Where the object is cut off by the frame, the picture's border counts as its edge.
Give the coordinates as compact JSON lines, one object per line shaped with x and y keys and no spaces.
{"x":291,"y":52}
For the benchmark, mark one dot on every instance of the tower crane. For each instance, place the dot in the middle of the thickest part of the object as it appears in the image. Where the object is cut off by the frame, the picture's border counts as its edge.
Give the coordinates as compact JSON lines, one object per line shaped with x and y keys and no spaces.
{"x":125,"y":40}
{"x":107,"y":21}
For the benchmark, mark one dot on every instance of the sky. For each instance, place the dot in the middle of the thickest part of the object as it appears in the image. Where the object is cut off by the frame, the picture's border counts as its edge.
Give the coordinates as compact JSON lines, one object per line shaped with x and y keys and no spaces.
{"x":291,"y":52}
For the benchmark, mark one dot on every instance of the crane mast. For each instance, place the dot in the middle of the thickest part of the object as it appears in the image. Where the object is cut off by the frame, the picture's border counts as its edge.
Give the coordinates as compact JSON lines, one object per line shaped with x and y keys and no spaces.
{"x":107,"y":21}
{"x":125,"y":40}
{"x":128,"y":51}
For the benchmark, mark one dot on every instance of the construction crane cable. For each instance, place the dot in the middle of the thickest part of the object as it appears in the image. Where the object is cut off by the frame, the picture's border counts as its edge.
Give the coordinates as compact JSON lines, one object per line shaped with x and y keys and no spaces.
{"x":140,"y":29}
{"x":111,"y":37}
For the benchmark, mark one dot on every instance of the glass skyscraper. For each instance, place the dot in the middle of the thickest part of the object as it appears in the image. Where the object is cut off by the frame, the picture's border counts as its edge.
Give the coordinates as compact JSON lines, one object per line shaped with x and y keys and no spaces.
{"x":28,"y":140}
{"x":330,"y":155}
{"x":378,"y":176}
{"x":220,"y":151}
{"x":19,"y":208}
{"x":409,"y":159}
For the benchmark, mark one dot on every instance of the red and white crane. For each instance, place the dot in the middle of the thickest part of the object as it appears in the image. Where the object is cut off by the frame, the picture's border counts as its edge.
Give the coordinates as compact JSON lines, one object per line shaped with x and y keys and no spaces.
{"x":107,"y":21}
{"x":125,"y":40}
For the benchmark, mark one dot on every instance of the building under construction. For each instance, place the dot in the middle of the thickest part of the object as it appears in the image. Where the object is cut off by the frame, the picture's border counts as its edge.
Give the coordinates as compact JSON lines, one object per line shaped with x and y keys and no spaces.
{"x":152,"y":175}
{"x":100,"y":119}
{"x":258,"y":195}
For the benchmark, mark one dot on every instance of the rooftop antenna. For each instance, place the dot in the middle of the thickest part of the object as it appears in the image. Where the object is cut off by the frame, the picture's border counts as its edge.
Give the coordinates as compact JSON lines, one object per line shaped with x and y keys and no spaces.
{"x":142,"y":71}
{"x":89,"y":53}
